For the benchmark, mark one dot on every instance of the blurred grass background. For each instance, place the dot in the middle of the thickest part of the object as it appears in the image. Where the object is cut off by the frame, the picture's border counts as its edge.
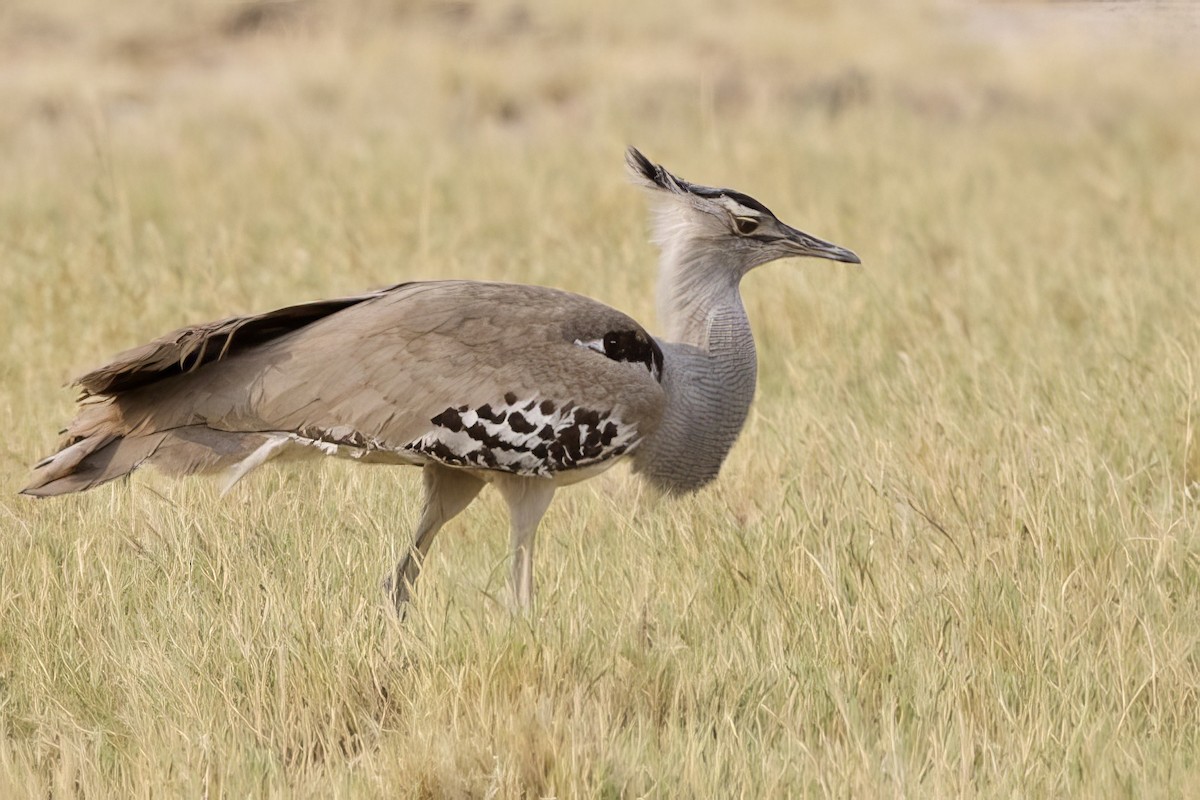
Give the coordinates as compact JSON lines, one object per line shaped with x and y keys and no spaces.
{"x":954,"y":554}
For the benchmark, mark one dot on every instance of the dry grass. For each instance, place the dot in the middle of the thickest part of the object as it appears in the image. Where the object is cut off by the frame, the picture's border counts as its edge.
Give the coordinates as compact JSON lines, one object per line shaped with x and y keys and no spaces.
{"x":956,"y":553}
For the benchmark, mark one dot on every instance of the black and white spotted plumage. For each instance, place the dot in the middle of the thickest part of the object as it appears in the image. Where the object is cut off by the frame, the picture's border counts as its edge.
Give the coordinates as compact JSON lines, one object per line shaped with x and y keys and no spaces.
{"x":540,"y":436}
{"x":534,"y":437}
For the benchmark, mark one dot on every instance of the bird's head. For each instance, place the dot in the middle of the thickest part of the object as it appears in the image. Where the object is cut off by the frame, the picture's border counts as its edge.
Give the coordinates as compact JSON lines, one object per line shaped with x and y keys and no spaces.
{"x":699,"y":220}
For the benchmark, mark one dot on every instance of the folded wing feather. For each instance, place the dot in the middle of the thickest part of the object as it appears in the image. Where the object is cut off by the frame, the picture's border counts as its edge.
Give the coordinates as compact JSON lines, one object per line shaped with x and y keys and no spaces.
{"x":371,"y":371}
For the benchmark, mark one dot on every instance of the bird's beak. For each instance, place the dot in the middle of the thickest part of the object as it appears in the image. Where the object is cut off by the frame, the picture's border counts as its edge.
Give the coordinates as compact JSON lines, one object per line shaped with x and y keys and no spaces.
{"x":804,"y":245}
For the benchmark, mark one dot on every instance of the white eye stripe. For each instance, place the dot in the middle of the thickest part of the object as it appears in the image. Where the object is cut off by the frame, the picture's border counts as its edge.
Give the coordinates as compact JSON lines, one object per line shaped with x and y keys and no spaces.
{"x":737,"y":209}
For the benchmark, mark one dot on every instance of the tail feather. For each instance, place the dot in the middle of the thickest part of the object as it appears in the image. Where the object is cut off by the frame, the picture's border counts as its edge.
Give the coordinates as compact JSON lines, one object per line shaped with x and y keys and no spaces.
{"x":139,"y":408}
{"x":89,"y":463}
{"x":104,"y":457}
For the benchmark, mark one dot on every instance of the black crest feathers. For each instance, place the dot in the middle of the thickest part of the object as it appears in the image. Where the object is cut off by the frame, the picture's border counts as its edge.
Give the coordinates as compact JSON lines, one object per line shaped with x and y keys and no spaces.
{"x":647,"y":172}
{"x":652,"y":175}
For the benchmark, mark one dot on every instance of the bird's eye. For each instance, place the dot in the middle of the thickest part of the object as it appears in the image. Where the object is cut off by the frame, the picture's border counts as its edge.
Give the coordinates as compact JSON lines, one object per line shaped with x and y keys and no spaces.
{"x":745,"y":225}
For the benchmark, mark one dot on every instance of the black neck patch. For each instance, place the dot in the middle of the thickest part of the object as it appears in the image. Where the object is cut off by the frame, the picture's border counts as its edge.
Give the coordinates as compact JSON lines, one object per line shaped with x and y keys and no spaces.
{"x":634,"y":346}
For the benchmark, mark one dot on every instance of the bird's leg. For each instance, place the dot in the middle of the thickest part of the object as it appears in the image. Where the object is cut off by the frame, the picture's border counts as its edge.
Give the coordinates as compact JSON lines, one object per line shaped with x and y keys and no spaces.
{"x":528,"y":499}
{"x":447,"y":492}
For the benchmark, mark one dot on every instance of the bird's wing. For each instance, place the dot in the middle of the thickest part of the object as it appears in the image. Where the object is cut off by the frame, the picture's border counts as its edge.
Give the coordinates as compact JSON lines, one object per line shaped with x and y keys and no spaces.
{"x":191,"y":347}
{"x":519,"y":378}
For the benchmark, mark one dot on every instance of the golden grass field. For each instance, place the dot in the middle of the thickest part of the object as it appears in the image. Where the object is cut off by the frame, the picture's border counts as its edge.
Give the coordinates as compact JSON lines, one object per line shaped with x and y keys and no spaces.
{"x":956,"y":552}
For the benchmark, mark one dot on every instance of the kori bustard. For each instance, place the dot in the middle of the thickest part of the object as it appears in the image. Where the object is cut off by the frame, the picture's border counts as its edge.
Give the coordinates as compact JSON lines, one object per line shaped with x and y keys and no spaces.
{"x":524,"y":387}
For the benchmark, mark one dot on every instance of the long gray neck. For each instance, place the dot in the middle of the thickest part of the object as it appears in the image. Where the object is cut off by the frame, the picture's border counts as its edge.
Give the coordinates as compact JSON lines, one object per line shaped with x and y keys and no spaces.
{"x":709,"y":373}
